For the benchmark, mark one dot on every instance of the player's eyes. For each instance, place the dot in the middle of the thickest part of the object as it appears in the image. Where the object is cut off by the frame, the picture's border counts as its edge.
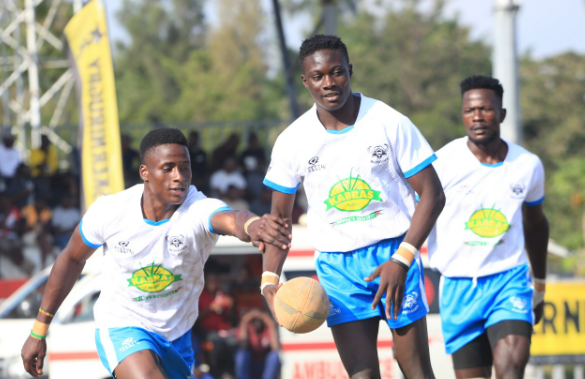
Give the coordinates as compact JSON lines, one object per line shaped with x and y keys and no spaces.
{"x":316,"y":77}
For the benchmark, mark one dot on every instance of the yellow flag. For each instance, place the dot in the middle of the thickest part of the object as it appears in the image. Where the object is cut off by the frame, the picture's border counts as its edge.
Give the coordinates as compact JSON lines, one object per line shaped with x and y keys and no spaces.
{"x":99,"y":138}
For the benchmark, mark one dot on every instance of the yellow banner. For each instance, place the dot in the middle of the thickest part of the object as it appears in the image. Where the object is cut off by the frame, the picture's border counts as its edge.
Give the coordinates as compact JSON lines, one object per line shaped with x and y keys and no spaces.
{"x":89,"y":49}
{"x":562,"y":329}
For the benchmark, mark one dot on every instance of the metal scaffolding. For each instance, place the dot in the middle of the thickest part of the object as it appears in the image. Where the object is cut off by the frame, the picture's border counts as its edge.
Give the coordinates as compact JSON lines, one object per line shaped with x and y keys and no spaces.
{"x":21,"y":38}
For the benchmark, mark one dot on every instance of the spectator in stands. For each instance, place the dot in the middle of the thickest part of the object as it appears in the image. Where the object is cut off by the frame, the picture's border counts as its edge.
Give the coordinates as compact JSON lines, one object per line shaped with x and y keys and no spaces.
{"x":198,"y":162}
{"x":253,"y":155}
{"x":257,"y":356}
{"x":9,"y":157}
{"x":130,"y":161}
{"x":43,"y":160}
{"x":215,"y":310}
{"x":221,"y":180}
{"x":234,"y":199}
{"x":21,"y":187}
{"x":66,"y":216}
{"x":37,"y":218}
{"x":224,"y":151}
{"x":10,"y":228}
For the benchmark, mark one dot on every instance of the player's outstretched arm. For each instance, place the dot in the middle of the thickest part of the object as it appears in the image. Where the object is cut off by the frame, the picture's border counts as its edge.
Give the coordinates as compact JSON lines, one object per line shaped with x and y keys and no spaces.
{"x":273,"y":258}
{"x":248,"y":227}
{"x":392,"y":273}
{"x":65,"y":272}
{"x":536,"y":242}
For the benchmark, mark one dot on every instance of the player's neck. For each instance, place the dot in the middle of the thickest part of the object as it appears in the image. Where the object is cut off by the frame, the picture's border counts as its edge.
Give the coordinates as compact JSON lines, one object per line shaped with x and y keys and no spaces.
{"x":154,"y":209}
{"x":342,"y":117}
{"x":491,"y":152}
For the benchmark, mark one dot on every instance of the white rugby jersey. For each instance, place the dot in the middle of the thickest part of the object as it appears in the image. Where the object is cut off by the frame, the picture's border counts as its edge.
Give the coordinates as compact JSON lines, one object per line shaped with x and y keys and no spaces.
{"x":354,"y":179}
{"x":480,"y":230}
{"x":152,"y":271}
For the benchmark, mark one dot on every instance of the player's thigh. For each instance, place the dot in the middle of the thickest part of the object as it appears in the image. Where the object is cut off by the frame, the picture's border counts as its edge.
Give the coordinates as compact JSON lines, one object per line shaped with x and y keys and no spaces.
{"x":510,"y":342}
{"x":143,"y":364}
{"x":356,"y":343}
{"x":411,"y":349}
{"x":474,"y":360}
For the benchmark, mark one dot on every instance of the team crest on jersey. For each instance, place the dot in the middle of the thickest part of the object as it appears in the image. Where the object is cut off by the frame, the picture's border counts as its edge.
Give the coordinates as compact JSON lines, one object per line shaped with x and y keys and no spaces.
{"x":517,"y":190}
{"x":488,"y":223}
{"x":379,"y":153}
{"x":351,"y":195}
{"x":176,"y":244}
{"x":314,"y":166}
{"x":153,"y":278}
{"x":122,"y":247}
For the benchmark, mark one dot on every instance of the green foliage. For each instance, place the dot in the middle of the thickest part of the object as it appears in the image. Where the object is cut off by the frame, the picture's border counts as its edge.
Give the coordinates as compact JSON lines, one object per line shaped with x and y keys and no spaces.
{"x":414,"y":62}
{"x":553,"y":110}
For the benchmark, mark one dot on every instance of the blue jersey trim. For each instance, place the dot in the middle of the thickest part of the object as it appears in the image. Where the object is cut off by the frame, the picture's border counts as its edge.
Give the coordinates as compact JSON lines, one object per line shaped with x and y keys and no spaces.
{"x":157,"y":223}
{"x":533,"y":203}
{"x":221,"y":209}
{"x":279,"y":188}
{"x":421,"y":166}
{"x":492,"y":165}
{"x":85,"y":239}
{"x":342,"y":131}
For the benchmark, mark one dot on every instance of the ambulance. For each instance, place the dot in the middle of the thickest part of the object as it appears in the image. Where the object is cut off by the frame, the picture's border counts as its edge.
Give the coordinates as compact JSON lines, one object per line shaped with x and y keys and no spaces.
{"x":71,"y":343}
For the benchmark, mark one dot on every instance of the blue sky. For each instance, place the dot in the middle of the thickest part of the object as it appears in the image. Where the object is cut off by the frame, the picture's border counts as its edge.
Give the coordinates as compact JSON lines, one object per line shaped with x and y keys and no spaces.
{"x":545,"y":27}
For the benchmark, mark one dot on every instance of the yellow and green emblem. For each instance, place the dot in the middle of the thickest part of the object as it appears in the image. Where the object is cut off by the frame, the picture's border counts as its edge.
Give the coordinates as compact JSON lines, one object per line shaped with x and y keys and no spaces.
{"x":488,"y":223}
{"x":351,"y":195}
{"x":153,"y":278}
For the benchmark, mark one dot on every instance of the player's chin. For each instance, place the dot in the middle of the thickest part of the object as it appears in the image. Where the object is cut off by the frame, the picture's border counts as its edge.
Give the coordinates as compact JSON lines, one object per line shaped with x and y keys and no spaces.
{"x":176,"y":199}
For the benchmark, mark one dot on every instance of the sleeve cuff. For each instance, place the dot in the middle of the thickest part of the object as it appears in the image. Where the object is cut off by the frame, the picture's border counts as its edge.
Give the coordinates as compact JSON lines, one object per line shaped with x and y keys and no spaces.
{"x":85,"y":240}
{"x":421,"y":166}
{"x":222,"y":209}
{"x":279,"y":188}
{"x":533,"y":203}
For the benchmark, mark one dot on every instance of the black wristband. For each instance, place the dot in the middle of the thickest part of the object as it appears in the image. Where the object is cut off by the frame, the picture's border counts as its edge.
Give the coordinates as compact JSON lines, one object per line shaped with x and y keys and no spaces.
{"x":392,"y":259}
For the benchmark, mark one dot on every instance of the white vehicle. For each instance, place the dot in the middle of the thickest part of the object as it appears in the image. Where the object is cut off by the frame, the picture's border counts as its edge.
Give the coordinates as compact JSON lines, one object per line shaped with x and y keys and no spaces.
{"x":71,"y":341}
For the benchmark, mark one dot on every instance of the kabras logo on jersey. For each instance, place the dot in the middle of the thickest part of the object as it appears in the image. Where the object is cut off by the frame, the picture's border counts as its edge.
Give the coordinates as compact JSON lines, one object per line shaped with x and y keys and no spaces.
{"x":379,"y":154}
{"x":488,"y":222}
{"x":313,"y":166}
{"x":351,"y":195}
{"x":153,"y":278}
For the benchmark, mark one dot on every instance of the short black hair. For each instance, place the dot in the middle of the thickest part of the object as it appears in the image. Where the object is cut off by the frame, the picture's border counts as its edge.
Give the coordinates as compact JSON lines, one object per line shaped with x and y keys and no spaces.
{"x":161,"y":136}
{"x":321,"y":42}
{"x":482,"y":82}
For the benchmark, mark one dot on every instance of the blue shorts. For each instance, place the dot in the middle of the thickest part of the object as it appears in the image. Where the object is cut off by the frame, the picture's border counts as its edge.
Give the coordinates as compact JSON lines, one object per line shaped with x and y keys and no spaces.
{"x":468,"y":309}
{"x":115,"y":344}
{"x":342,"y":276}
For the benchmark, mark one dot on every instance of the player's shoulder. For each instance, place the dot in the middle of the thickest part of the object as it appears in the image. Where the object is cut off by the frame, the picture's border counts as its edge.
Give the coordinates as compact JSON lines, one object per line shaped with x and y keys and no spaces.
{"x":520,"y":154}
{"x":457,"y":146}
{"x":120,"y":200}
{"x":197,"y":204}
{"x":373,"y":108}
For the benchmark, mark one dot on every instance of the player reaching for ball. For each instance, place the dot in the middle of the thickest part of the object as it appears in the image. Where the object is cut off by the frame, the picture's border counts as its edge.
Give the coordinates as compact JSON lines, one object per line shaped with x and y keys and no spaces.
{"x":494,"y":191}
{"x":361,"y":162}
{"x":156,"y":238}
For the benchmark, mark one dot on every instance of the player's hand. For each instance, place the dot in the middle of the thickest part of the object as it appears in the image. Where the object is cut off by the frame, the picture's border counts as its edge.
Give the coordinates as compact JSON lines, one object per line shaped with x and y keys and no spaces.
{"x":272,"y":230}
{"x":269,"y":292}
{"x":33,"y":355}
{"x":392,"y":283}
{"x":538,"y":312}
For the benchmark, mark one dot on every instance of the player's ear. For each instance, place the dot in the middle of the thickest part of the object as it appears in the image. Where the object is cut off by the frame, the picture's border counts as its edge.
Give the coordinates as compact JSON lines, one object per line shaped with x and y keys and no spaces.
{"x":304,"y":79}
{"x":350,"y":67}
{"x":143,"y":170}
{"x":502,"y":115}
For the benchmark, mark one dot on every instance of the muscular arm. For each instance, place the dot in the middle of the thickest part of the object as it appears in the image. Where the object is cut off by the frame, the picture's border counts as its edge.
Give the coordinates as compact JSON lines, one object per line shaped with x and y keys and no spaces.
{"x":65,"y":272}
{"x":427,"y":185}
{"x":536,"y":238}
{"x":264,"y":230}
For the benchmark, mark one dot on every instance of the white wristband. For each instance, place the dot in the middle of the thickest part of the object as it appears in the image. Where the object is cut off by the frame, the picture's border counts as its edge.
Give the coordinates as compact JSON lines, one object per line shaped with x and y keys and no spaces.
{"x":409,"y":247}
{"x":264,"y":285}
{"x":538,"y":297}
{"x":270,"y":273}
